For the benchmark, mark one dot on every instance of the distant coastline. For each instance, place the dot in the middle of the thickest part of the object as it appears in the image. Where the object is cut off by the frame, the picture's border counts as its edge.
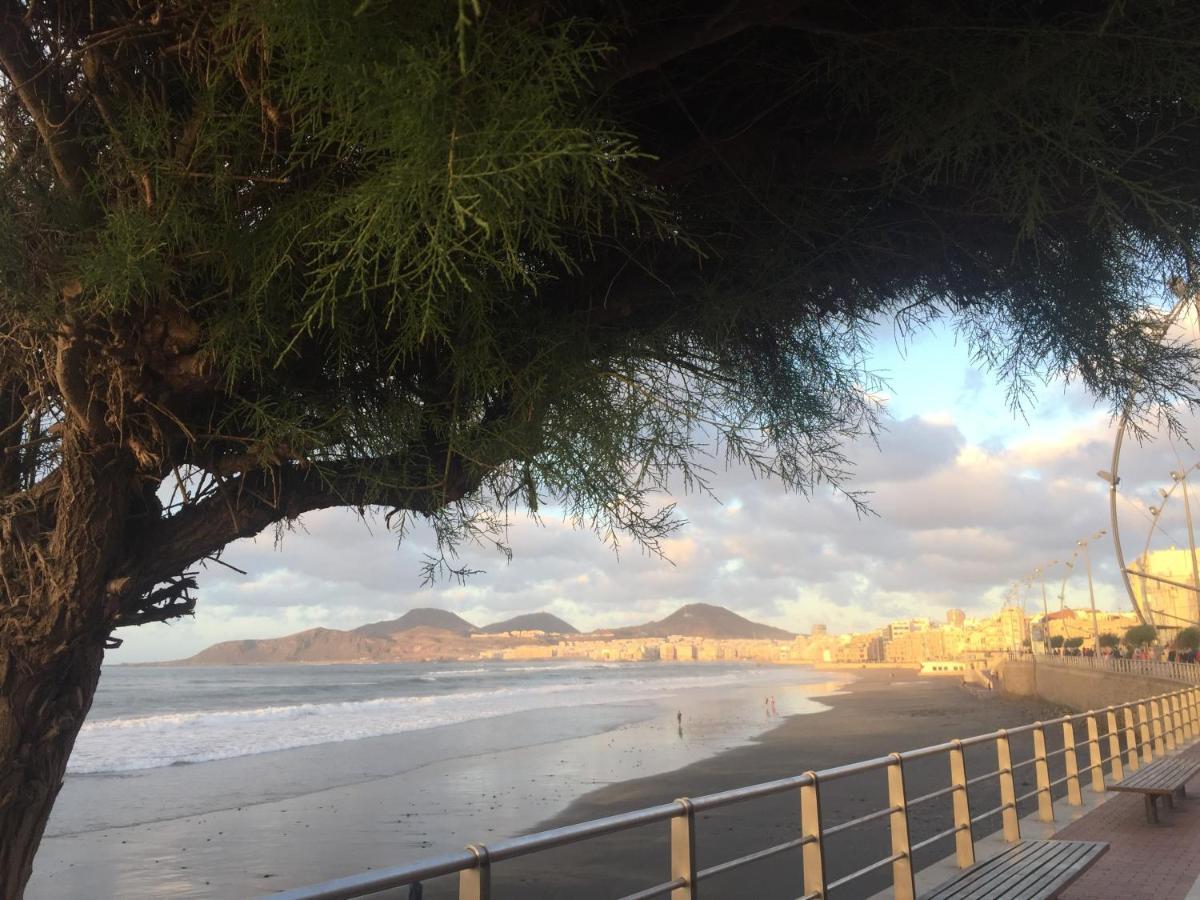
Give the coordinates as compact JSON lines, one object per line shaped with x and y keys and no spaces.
{"x":696,"y":632}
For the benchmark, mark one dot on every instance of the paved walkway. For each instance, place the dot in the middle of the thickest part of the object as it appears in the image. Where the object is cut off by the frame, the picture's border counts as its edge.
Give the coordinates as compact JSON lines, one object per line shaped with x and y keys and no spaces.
{"x":1143,"y":861}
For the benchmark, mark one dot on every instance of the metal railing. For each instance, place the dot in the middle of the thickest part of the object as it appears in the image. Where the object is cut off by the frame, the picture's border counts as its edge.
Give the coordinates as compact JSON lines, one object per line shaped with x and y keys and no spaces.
{"x":1120,"y":738}
{"x":1188,"y":673}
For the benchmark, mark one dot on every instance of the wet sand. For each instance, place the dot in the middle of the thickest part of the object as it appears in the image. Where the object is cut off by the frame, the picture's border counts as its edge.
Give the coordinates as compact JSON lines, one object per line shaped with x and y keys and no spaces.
{"x":882,"y":712}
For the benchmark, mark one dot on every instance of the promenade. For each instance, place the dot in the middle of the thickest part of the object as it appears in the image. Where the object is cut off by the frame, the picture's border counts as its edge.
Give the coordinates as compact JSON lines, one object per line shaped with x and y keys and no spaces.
{"x":1142,"y":861}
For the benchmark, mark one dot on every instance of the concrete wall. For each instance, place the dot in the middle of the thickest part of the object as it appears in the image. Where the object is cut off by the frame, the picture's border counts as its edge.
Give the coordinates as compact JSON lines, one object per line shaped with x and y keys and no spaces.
{"x":1078,"y":689}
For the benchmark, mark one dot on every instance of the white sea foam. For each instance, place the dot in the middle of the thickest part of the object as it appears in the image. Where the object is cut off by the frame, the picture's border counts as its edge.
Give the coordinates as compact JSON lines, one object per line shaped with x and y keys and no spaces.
{"x":146,"y":742}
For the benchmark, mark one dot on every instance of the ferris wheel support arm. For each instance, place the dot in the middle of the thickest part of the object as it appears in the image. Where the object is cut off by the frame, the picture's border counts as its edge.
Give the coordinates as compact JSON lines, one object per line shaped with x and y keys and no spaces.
{"x":1114,"y":523}
{"x":1170,"y":581}
{"x":1113,"y":476}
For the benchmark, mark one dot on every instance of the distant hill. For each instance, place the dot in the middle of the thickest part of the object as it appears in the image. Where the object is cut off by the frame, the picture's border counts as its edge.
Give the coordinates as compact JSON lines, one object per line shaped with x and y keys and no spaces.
{"x":540,"y":621}
{"x":314,"y":645}
{"x":328,"y":645}
{"x":422,"y":617}
{"x":705,"y":620}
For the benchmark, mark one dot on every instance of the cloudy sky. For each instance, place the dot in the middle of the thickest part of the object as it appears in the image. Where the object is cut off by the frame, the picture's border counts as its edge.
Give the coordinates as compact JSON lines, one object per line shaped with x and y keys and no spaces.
{"x":967,"y":496}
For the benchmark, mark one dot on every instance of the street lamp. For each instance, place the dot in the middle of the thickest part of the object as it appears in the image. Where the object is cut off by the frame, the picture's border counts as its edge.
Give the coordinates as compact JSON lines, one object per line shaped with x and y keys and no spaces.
{"x":1040,"y":574}
{"x":1087,"y":557}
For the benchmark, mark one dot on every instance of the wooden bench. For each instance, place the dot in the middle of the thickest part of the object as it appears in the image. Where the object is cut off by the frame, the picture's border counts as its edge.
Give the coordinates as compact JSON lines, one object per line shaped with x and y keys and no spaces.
{"x":1028,"y":870}
{"x":1163,"y":778}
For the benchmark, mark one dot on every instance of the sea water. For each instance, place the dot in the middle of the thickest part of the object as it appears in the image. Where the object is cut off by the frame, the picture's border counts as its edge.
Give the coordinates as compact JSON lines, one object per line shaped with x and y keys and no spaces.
{"x":232,"y":781}
{"x":148,"y":717}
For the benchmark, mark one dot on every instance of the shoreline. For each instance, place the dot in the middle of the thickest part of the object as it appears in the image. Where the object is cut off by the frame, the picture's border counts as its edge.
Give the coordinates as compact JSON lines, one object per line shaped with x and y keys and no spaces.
{"x":883,"y":711}
{"x":460,"y":793}
{"x":252,"y":824}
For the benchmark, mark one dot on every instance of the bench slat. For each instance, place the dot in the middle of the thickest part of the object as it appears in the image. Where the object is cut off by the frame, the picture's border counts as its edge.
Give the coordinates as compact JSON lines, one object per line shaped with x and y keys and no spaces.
{"x":985,"y":873}
{"x":1165,"y":776}
{"x":1029,"y":870}
{"x":1025,"y":876}
{"x":1065,"y":866}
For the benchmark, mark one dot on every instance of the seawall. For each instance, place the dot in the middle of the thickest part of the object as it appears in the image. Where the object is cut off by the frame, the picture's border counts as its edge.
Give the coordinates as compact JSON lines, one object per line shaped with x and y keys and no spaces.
{"x":1077,"y":688}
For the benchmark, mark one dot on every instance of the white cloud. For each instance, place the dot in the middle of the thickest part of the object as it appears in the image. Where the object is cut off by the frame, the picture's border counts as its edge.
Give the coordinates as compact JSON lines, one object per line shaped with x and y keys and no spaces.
{"x":957,"y":522}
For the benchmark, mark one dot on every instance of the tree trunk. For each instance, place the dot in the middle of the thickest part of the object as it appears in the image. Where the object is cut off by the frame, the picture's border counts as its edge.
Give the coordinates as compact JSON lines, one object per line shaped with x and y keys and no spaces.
{"x":47,"y":683}
{"x":55,"y":560}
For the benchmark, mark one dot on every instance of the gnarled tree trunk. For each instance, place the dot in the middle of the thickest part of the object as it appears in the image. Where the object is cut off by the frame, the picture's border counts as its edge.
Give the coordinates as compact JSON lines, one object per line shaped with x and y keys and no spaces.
{"x":46,"y":686}
{"x":58,"y":544}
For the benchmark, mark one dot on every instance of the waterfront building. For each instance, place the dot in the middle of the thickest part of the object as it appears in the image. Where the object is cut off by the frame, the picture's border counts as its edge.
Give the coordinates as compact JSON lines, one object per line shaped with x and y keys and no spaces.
{"x":861,"y":648}
{"x":1015,"y":627}
{"x":1171,"y":607}
{"x":897,"y":628}
{"x":955,"y":617}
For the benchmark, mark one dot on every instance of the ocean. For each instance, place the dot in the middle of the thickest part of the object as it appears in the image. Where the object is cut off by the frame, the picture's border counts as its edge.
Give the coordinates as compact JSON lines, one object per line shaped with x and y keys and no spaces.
{"x":233,"y":781}
{"x":146,"y":717}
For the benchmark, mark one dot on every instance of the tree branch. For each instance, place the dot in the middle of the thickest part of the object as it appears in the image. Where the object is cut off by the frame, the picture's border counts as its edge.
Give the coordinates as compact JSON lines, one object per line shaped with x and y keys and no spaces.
{"x":32,"y":78}
{"x":246,"y":505}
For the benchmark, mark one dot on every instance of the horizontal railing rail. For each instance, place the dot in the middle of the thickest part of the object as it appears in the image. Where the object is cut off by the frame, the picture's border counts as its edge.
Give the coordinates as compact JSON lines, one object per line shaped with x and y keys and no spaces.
{"x":1121,"y":738}
{"x":1186,"y":672}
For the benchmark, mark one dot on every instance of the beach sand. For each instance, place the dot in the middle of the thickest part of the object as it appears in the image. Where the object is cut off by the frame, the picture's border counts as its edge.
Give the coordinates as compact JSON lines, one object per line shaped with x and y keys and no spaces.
{"x":882,"y":712}
{"x":117,"y":836}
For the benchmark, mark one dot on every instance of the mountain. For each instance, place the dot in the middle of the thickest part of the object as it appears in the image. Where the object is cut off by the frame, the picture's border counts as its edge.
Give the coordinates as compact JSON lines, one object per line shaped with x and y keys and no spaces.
{"x":705,"y":620}
{"x":540,"y":621}
{"x":327,"y":645}
{"x":422,"y":617}
{"x":314,"y":645}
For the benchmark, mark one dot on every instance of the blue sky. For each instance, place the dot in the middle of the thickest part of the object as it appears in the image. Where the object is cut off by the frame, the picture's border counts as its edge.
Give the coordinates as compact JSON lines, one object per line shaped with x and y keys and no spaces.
{"x":967,"y":496}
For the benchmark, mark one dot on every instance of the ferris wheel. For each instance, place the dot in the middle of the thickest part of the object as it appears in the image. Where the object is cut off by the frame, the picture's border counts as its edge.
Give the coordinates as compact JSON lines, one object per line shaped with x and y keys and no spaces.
{"x":1142,"y":605}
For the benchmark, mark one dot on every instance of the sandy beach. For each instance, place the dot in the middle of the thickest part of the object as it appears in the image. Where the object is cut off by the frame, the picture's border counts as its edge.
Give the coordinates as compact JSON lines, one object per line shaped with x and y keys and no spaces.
{"x":320,"y":812}
{"x":881,"y":712}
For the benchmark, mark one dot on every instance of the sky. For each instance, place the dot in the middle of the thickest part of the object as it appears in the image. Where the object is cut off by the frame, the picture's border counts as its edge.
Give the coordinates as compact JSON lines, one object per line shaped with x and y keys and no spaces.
{"x":967,"y":497}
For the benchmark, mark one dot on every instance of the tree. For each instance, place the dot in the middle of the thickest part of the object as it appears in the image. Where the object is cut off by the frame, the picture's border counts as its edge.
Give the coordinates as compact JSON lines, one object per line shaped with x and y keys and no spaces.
{"x":1188,"y":639}
{"x":451,"y":262}
{"x":1056,"y":641}
{"x":1141,"y":636}
{"x":1110,"y":641}
{"x":1073,"y":643}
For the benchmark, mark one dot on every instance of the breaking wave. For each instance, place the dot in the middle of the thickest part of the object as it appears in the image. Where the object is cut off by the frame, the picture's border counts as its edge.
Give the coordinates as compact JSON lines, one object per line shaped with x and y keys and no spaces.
{"x":131,"y":743}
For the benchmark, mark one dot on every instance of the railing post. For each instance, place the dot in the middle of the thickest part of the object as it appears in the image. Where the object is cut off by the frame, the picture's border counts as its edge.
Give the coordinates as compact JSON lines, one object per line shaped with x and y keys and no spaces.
{"x":1041,"y":767}
{"x":1114,"y":745}
{"x":964,"y":835}
{"x":1177,"y":716}
{"x":1131,"y":742}
{"x":1192,"y":712}
{"x":1144,"y":730}
{"x":903,"y":886}
{"x":1071,"y":763}
{"x":683,"y":851}
{"x":476,"y":883}
{"x":1160,"y":744}
{"x":813,"y":851}
{"x":1095,"y":757}
{"x":1008,"y":792}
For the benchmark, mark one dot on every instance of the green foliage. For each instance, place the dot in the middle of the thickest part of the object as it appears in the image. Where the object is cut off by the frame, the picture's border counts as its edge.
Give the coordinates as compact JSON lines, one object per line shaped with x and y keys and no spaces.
{"x":463,"y":252}
{"x":1073,"y":643}
{"x":1188,"y":639}
{"x":1141,"y":636}
{"x":1056,"y":641}
{"x":1110,"y":641}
